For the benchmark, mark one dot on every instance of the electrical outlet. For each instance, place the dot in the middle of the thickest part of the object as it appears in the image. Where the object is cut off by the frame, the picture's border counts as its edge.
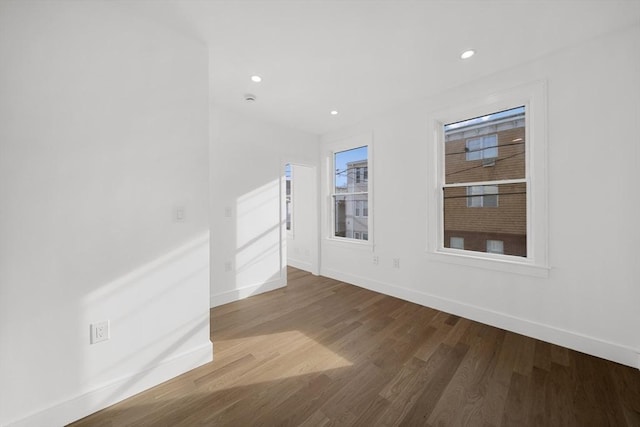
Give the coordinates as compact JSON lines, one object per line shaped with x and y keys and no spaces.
{"x":180,"y":214}
{"x":376,"y":260}
{"x":396,"y":263}
{"x":228,"y":266}
{"x":228,"y":212}
{"x":99,"y":332}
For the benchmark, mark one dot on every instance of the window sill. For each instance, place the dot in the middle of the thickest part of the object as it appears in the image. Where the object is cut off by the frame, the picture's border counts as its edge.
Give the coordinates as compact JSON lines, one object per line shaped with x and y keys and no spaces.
{"x":352,"y":243}
{"x":488,"y":262}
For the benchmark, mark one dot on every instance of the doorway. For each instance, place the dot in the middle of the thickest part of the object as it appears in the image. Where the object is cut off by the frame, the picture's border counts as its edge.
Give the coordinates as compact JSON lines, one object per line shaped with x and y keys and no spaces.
{"x":301,"y":217}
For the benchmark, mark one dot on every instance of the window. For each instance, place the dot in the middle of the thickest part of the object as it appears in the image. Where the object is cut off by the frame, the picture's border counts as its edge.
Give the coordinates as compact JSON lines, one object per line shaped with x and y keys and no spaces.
{"x":362,"y":175}
{"x":495,"y":246}
{"x":362,"y":208}
{"x":456,"y":242}
{"x":484,"y":147}
{"x":289,"y":206}
{"x":480,"y":187}
{"x":482,"y":196}
{"x":351,"y":193}
{"x":494,"y":217}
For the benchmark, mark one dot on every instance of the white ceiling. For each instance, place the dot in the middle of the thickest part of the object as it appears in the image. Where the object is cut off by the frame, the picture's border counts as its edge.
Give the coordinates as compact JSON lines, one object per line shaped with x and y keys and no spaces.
{"x":363,"y":57}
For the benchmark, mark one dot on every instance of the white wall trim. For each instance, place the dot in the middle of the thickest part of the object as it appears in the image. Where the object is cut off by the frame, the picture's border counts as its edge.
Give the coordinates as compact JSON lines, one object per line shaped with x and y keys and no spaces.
{"x":73,"y":409}
{"x":586,"y":344}
{"x":245,"y":291}
{"x":302,"y":265}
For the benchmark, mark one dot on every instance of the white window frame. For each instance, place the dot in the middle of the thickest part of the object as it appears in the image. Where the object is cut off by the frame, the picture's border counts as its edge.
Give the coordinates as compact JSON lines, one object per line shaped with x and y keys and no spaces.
{"x":348,"y":143}
{"x":533,"y":97}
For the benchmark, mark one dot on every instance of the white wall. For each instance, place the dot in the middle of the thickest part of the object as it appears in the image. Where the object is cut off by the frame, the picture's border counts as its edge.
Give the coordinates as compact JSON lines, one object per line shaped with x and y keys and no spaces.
{"x":590,"y":299}
{"x":103,"y":132}
{"x":302,"y":240}
{"x":247,"y":222}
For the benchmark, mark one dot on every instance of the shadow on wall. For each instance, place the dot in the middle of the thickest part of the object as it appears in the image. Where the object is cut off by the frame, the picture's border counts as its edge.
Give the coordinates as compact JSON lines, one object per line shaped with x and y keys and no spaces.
{"x":157,"y":313}
{"x":258,"y":235}
{"x":248,"y":258}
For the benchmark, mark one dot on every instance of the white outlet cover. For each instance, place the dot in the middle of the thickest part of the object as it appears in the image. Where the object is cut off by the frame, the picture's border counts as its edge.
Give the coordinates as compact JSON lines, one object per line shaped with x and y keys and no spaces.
{"x":180,"y":214}
{"x":99,"y":332}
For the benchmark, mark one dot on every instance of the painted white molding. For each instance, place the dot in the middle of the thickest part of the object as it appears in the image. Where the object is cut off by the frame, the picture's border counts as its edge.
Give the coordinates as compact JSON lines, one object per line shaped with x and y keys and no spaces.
{"x":300,"y":264}
{"x":583,"y":343}
{"x":73,"y":409}
{"x":244,"y":292}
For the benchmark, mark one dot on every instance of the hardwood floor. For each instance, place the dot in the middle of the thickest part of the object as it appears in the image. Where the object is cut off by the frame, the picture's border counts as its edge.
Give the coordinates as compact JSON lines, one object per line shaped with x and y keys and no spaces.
{"x":321,"y":352}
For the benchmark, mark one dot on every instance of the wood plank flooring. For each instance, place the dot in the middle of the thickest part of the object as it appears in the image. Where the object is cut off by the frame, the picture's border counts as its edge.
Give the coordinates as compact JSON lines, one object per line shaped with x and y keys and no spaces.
{"x":323,"y":353}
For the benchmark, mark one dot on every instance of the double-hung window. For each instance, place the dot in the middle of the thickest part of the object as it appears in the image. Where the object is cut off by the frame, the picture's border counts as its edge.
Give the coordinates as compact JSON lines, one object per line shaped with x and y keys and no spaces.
{"x":351,"y":193}
{"x":471,"y":190}
{"x":489,"y":188}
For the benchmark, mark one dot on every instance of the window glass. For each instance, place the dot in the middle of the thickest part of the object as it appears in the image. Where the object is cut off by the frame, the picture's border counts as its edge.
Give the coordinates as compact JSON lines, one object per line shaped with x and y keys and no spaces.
{"x":351,"y":193}
{"x":289,"y":206}
{"x":486,"y":148}
{"x":485,"y":190}
{"x":456,"y":242}
{"x":495,"y":246}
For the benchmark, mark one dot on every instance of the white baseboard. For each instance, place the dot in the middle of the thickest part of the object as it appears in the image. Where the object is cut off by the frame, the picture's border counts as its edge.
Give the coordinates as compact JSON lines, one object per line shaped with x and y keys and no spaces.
{"x":244,"y":292}
{"x":302,"y":265}
{"x":575,"y":341}
{"x":85,"y":404}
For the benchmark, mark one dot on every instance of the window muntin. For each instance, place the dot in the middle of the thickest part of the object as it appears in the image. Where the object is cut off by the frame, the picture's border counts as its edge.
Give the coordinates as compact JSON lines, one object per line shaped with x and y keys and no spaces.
{"x":481,"y":203}
{"x":351,"y":193}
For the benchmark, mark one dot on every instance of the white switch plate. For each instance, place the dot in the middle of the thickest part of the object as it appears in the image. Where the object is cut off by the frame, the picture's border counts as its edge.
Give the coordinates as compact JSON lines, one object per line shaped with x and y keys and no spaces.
{"x":99,"y":331}
{"x":396,"y":263}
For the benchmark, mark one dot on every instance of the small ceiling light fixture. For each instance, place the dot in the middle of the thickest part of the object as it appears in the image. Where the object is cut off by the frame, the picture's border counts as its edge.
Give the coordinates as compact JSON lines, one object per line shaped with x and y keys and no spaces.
{"x":256,"y":79}
{"x":334,"y":113}
{"x":249,"y":97}
{"x":467,"y":54}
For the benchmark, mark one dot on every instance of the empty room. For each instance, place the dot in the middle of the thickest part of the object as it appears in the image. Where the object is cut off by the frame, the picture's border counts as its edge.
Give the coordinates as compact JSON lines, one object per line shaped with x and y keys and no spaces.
{"x":320,"y":212}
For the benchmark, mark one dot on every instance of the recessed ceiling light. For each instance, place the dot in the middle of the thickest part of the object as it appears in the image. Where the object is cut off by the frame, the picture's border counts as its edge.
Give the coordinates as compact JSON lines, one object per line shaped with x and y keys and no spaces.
{"x":256,"y":79}
{"x":467,"y":54}
{"x":334,"y":113}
